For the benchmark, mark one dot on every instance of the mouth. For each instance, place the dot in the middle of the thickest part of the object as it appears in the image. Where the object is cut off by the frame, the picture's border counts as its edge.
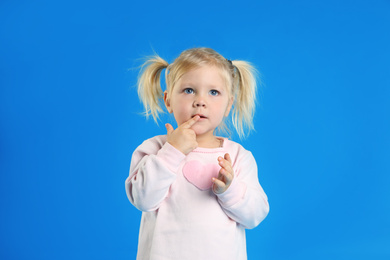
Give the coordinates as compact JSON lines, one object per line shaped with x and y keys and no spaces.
{"x":201,"y":116}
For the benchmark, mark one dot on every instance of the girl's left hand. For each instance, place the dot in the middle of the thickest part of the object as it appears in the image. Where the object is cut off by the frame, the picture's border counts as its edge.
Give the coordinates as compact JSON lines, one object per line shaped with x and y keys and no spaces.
{"x":225,"y":176}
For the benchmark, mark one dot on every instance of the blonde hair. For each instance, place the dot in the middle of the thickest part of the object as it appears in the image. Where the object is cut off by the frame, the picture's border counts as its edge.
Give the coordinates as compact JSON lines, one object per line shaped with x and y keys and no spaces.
{"x":239,"y":77}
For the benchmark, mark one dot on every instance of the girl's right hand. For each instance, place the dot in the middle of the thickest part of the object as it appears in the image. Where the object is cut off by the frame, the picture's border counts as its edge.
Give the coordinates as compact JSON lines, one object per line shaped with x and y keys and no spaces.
{"x":183,"y":138}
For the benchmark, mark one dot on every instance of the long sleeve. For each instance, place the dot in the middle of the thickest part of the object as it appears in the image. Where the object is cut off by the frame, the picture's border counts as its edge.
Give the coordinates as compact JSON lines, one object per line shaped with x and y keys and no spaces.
{"x":245,"y":201}
{"x":182,"y":218}
{"x":152,"y":171}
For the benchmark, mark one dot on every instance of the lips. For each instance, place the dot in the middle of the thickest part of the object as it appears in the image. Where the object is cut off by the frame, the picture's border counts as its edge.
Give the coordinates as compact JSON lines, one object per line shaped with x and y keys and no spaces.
{"x":200,"y":115}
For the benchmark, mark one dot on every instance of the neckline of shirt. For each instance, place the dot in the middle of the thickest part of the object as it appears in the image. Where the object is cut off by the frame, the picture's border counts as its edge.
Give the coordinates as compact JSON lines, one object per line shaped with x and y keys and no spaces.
{"x":212,"y":150}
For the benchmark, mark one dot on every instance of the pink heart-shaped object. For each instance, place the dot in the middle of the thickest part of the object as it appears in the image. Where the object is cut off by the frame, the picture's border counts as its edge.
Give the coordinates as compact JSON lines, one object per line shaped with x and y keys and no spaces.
{"x":200,"y":175}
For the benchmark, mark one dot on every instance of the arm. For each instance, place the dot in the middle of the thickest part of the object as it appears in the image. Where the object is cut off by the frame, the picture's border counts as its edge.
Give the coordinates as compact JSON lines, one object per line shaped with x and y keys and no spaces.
{"x":152,"y":172}
{"x":154,"y":165}
{"x":244,"y":200}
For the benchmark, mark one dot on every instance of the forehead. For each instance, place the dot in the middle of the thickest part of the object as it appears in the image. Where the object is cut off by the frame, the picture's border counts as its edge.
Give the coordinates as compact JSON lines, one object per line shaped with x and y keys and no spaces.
{"x":201,"y":73}
{"x":207,"y":75}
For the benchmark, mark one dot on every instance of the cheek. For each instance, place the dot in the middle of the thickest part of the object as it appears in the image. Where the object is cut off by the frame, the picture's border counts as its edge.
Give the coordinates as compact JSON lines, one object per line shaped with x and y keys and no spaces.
{"x":179,"y":105}
{"x":180,"y":111}
{"x":226,"y":112}
{"x":228,"y":106}
{"x":224,"y":107}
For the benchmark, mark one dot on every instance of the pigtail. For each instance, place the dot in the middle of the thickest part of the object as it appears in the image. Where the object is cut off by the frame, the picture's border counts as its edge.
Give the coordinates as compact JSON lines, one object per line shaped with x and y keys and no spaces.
{"x":244,"y":107}
{"x":149,"y":87}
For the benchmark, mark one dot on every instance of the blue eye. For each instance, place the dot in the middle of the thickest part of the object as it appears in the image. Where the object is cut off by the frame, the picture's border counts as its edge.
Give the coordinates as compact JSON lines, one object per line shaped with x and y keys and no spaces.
{"x":214,"y":92}
{"x":188,"y":91}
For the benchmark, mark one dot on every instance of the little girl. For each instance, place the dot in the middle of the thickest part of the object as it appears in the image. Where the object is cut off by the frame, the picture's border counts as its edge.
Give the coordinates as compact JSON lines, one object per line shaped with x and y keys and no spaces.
{"x":198,"y":192}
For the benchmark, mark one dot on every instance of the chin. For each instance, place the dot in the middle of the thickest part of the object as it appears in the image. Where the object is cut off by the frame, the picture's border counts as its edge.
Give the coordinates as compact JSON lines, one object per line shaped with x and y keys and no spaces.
{"x":201,"y":131}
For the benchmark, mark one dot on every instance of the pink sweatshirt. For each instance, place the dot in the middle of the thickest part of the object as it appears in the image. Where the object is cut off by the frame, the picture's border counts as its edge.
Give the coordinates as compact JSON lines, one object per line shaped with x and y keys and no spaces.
{"x":181,"y":216}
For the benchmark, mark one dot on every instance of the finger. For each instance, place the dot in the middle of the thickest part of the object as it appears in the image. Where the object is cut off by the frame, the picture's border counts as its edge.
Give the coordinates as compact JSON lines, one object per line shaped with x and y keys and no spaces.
{"x":220,"y":184}
{"x":225,"y":176}
{"x":226,"y":164}
{"x":227,"y":158}
{"x":169,"y":128}
{"x":190,"y":122}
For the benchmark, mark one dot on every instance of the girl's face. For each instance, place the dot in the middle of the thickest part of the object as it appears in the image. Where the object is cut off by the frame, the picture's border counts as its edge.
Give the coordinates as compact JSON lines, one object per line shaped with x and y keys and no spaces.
{"x":201,"y":91}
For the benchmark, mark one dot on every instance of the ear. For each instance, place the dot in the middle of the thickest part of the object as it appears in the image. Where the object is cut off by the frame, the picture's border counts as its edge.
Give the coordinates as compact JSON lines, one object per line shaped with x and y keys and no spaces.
{"x":229,"y":107}
{"x":167,"y":102}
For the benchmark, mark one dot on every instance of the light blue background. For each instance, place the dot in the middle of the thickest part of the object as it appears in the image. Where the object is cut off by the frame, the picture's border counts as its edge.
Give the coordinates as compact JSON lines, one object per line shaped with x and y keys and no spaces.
{"x":70,"y":122}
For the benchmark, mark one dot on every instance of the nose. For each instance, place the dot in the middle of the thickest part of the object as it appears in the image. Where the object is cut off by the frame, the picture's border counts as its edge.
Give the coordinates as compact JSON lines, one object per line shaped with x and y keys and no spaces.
{"x":199,"y":102}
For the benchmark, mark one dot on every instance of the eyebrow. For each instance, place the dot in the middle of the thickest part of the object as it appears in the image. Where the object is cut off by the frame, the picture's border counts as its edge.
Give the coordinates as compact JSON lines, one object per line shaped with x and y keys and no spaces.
{"x":183,"y":84}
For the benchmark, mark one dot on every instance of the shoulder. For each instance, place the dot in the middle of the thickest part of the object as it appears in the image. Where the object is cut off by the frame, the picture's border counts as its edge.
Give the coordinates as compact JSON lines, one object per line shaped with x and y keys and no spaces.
{"x":235,"y":148}
{"x":156,"y":140}
{"x":152,"y":145}
{"x":238,"y":153}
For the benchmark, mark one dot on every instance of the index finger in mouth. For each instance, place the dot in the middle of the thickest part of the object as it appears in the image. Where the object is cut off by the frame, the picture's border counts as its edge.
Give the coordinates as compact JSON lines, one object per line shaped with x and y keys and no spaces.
{"x":191,"y":122}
